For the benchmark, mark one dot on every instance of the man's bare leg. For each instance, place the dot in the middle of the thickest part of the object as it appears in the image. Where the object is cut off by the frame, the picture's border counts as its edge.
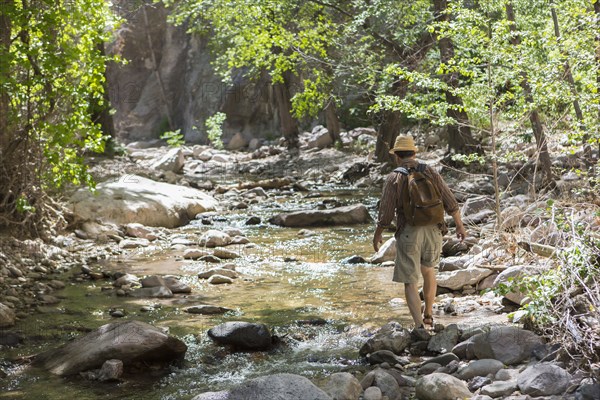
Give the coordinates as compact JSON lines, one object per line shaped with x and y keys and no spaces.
{"x":414,"y":302}
{"x":429,"y":288}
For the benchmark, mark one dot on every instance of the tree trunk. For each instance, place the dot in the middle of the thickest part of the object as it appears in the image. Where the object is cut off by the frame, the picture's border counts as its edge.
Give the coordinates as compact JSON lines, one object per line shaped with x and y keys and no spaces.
{"x":332,"y":121}
{"x":460,"y":137}
{"x":597,"y":10}
{"x":5,"y":33}
{"x":289,"y":126}
{"x":388,"y":130}
{"x":101,"y":113}
{"x":534,"y":116}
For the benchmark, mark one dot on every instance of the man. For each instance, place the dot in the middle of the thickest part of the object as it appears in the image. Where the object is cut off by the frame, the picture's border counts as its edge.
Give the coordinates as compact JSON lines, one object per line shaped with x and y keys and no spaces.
{"x":417,"y":247}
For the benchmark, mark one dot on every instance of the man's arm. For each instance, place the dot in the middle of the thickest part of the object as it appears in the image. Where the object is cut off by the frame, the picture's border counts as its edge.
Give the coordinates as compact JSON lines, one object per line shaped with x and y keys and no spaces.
{"x":461,"y":233}
{"x":387,"y":209}
{"x":450,"y":204}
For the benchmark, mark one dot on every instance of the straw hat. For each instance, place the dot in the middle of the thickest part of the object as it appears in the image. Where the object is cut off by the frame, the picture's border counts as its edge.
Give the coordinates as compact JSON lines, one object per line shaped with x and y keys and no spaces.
{"x":404,"y":143}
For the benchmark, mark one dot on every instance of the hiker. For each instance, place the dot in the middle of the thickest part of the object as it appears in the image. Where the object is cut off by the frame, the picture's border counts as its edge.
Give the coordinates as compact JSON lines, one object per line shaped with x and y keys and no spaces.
{"x":417,"y":195}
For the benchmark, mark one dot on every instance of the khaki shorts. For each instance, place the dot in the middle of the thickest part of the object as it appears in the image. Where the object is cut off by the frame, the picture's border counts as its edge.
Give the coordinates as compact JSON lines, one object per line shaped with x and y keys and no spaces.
{"x":416,"y":246}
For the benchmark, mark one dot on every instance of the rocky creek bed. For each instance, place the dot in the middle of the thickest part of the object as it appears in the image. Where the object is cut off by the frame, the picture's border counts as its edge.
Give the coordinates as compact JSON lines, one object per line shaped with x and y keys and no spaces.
{"x":263,"y":284}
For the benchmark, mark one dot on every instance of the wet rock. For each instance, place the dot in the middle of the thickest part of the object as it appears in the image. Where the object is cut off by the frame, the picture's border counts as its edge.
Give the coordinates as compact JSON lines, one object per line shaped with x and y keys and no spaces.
{"x":499,"y":389}
{"x":219,"y":280}
{"x":428,"y":368}
{"x":137,"y":199}
{"x":194,"y":254}
{"x":140,"y":231}
{"x":385,"y":356}
{"x":347,"y":215}
{"x":111,"y":370}
{"x":215,"y":238}
{"x":10,"y":339}
{"x":478,"y":382}
{"x":48,"y":300}
{"x":7,"y":316}
{"x":117,"y":313}
{"x":343,"y":386}
{"x":384,"y":381}
{"x":242,"y":335}
{"x":160,"y":292}
{"x":387,"y":252}
{"x":127,"y":279}
{"x":353,"y":260}
{"x":230,"y":273}
{"x":482,"y":367}
{"x":443,"y":359}
{"x":444,"y":341}
{"x":457,"y":279}
{"x":373,"y":393}
{"x":254,"y":220}
{"x":509,"y":344}
{"x":391,"y":336}
{"x":128,"y":341}
{"x":172,"y":161}
{"x":437,"y":386}
{"x":206,"y":309}
{"x":172,"y":283}
{"x":225,"y":254}
{"x":543,"y":380}
{"x":278,"y":386}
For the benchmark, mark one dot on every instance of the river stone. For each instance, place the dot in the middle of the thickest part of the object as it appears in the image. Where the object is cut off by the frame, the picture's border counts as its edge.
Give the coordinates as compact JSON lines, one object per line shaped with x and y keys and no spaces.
{"x":218,"y":271}
{"x":222,"y":395}
{"x":373,"y":393}
{"x":438,"y":386}
{"x":219,"y":280}
{"x":482,"y":367}
{"x":7,"y":316}
{"x":161,"y":292}
{"x":172,"y":283}
{"x":499,"y":389}
{"x":543,"y":380}
{"x":343,"y":386}
{"x":206,"y":309}
{"x":442,"y":360}
{"x":134,"y":243}
{"x":193,"y":254}
{"x":387,"y":252}
{"x":445,"y":340}
{"x":225,"y":254}
{"x":136,"y":199}
{"x":457,"y":279}
{"x":127,"y":279}
{"x":272,"y":387}
{"x":507,"y":374}
{"x":128,"y":341}
{"x":384,"y":381}
{"x":319,"y":138}
{"x":172,"y":161}
{"x":473,"y":205}
{"x":514,"y":275}
{"x":464,"y":350}
{"x":453,"y":263}
{"x":140,"y":231}
{"x":111,"y":370}
{"x":392,"y":336}
{"x":509,"y":344}
{"x":242,"y":335}
{"x":428,"y":368}
{"x":385,"y":356}
{"x":215,"y":238}
{"x":347,"y":215}
{"x":478,"y":382}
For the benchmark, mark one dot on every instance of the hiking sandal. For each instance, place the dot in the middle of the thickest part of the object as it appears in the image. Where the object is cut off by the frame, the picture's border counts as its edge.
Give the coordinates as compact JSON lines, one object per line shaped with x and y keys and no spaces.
{"x":428,"y":320}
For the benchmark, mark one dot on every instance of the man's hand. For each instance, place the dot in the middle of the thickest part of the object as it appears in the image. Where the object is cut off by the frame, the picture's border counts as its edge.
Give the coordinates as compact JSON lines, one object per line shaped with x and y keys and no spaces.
{"x":377,"y":238}
{"x":461,"y":233}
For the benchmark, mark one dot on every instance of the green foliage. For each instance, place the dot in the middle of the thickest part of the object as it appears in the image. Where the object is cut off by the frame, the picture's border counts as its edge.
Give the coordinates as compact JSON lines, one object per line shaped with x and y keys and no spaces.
{"x":214,"y":129}
{"x":23,"y":205}
{"x":173,"y":138}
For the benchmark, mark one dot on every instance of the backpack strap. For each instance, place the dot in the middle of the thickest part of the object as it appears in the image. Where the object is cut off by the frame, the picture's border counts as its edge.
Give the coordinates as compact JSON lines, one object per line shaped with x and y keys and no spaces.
{"x":401,"y":170}
{"x":421,"y":167}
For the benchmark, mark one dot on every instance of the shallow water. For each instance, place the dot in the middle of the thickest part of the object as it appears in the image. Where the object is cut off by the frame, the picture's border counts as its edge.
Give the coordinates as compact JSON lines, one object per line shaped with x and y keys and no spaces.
{"x":285,"y":278}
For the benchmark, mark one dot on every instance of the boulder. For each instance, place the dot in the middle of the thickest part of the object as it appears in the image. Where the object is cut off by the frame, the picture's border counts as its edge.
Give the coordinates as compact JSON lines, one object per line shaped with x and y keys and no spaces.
{"x":513,"y":275}
{"x":384,"y":381}
{"x":384,"y":356}
{"x":392,"y":337}
{"x":7,"y":316}
{"x":454,"y":263}
{"x":509,"y":344}
{"x":270,"y":387}
{"x":215,"y":238}
{"x":445,"y":340}
{"x":343,"y":386}
{"x":237,"y":142}
{"x":347,"y":215}
{"x":320,"y":138}
{"x":473,"y":205}
{"x":172,"y":161}
{"x":457,"y":279}
{"x":136,"y":199}
{"x":387,"y":252}
{"x":499,"y":389}
{"x":481,"y":367}
{"x":438,"y":386}
{"x":543,"y":380}
{"x":128,"y":341}
{"x":372,"y":393}
{"x":111,"y":370}
{"x":242,"y":335}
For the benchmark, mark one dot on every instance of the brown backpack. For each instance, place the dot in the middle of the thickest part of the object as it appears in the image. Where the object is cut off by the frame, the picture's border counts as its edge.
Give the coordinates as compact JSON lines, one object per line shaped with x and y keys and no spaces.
{"x":421,"y":200}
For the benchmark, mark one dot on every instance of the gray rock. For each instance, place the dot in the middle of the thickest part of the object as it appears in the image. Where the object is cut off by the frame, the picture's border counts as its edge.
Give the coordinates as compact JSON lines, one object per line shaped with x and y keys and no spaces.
{"x":507,"y":374}
{"x":439,"y":386}
{"x":140,"y":231}
{"x":127,"y":279}
{"x":111,"y":370}
{"x":218,"y":271}
{"x":172,"y":283}
{"x":509,"y":344}
{"x":225,"y":254}
{"x":474,"y":205}
{"x":387,"y":252}
{"x":237,"y":142}
{"x":454,"y":263}
{"x":134,"y":243}
{"x":443,"y":359}
{"x":543,"y":380}
{"x":482,"y":367}
{"x":161,"y":292}
{"x":347,"y":215}
{"x":478,"y":382}
{"x":588,"y":391}
{"x":464,"y":350}
{"x":481,"y":397}
{"x":457,"y":279}
{"x":372,"y":393}
{"x":499,"y":389}
{"x":343,"y":386}
{"x":444,"y":341}
{"x":391,"y":336}
{"x":194,"y":254}
{"x":272,"y":387}
{"x":219,"y":280}
{"x":206,"y":309}
{"x":384,"y":381}
{"x":222,"y":395}
{"x":172,"y":161}
{"x":126,"y":341}
{"x":513,"y":275}
{"x":242,"y":335}
{"x":385,"y":356}
{"x":428,"y":368}
{"x":214,"y":238}
{"x":7,"y":316}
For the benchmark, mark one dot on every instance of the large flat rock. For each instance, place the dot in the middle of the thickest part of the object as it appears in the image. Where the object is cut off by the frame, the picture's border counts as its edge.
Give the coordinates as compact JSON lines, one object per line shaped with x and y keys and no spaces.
{"x":133,"y":198}
{"x":347,"y":215}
